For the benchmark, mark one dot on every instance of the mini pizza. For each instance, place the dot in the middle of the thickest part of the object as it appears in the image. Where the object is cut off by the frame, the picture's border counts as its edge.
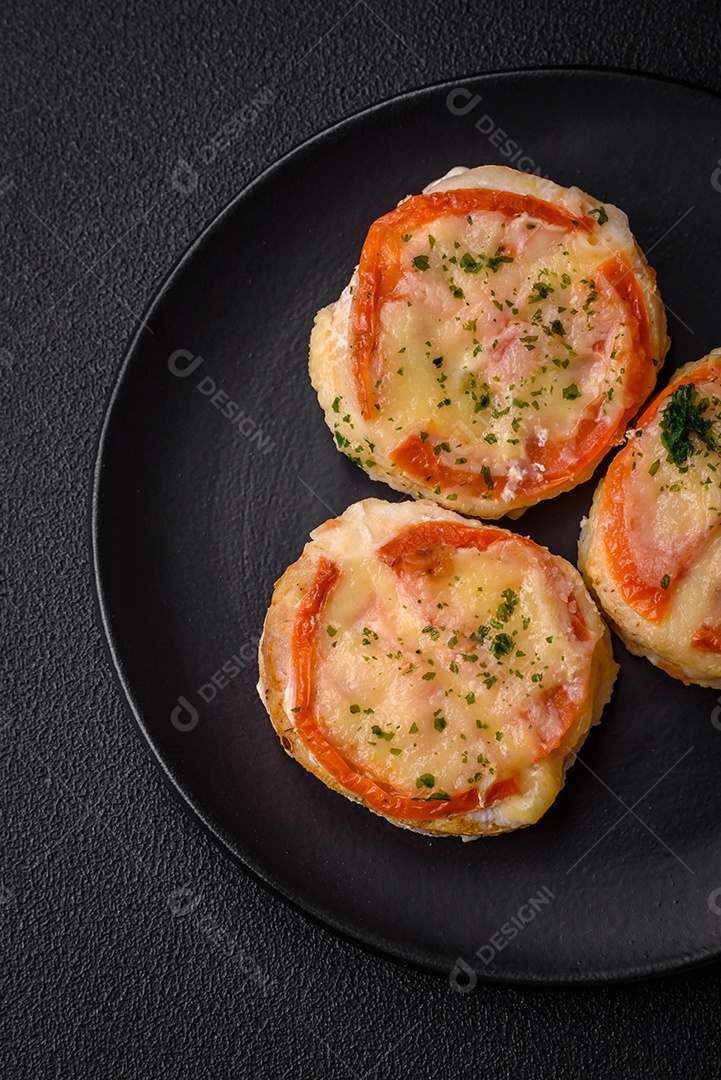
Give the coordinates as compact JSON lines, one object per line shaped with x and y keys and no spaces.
{"x":650,"y":549}
{"x":439,"y":671}
{"x":496,"y":338}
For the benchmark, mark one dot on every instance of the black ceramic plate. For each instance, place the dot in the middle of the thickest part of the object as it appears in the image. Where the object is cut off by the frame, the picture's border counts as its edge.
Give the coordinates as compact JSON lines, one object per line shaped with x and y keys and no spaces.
{"x":215,"y":463}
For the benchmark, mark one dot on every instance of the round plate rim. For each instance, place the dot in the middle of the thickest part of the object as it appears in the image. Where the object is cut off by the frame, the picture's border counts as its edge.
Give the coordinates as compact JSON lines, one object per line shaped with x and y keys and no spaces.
{"x":183,"y":796}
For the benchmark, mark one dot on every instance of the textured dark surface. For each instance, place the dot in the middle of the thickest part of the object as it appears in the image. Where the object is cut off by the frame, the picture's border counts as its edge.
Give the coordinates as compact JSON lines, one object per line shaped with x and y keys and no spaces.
{"x":111,"y":969}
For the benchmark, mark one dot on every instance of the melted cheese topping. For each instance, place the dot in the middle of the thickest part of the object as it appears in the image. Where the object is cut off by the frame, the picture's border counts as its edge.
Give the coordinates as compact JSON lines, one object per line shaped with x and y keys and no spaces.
{"x":488,"y":355}
{"x":672,"y":518}
{"x":500,"y":337}
{"x":445,"y":681}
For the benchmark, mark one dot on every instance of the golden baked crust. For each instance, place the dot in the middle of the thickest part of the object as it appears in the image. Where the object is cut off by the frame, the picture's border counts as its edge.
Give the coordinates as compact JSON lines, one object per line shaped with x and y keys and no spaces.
{"x":275,"y":679}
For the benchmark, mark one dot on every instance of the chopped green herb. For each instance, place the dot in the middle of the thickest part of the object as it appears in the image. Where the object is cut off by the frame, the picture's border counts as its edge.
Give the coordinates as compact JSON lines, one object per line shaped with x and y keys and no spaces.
{"x":469,"y":265}
{"x":502,"y":645}
{"x":540,"y":290}
{"x":379,"y":734}
{"x":507,"y":606}
{"x":494,"y":261}
{"x":682,"y":417}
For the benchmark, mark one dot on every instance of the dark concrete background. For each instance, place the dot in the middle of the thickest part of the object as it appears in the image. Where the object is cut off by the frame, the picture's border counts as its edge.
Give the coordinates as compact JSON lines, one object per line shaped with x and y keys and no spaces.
{"x":133,"y":948}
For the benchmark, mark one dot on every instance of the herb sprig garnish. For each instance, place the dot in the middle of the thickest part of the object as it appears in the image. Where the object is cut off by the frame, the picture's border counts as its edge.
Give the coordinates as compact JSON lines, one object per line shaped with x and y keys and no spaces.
{"x":683,"y":416}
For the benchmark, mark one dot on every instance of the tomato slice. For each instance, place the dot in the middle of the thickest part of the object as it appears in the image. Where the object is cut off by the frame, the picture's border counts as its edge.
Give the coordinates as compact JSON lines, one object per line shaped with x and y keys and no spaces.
{"x":618,"y":275}
{"x":419,"y":546}
{"x":638,"y":588}
{"x":566,"y":707}
{"x":415,"y":456}
{"x":502,"y":789}
{"x":707,"y":639}
{"x":564,"y":459}
{"x":640,"y":592}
